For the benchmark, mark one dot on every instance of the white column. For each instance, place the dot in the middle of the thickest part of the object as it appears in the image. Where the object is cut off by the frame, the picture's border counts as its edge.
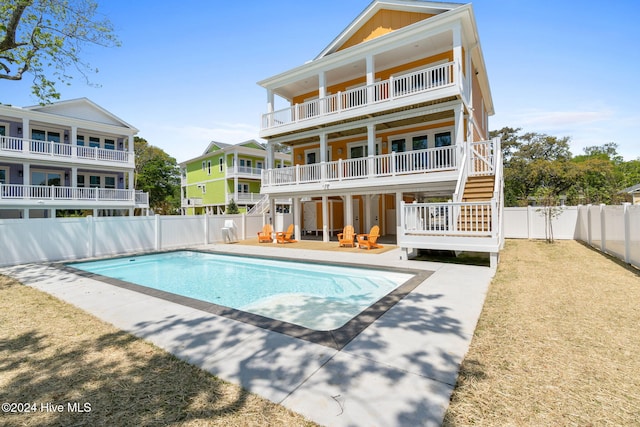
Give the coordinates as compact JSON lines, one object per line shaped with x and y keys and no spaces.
{"x":130,"y":184}
{"x":74,"y":142}
{"x":325,"y":219}
{"x":322,"y":90}
{"x":348,"y":209}
{"x":371,"y":78}
{"x":270,"y":163}
{"x":399,"y":213}
{"x":26,"y":134}
{"x":458,"y":113}
{"x":457,"y":45}
{"x":371,"y":147}
{"x":74,"y":176}
{"x":270,"y":107}
{"x":26,"y":174}
{"x":297,"y":218}
{"x":323,"y":156}
{"x":130,"y":145}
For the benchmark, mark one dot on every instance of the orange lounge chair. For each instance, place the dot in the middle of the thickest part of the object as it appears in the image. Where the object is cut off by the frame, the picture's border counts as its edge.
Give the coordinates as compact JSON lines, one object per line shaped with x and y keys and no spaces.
{"x":285,"y":237}
{"x":368,"y":241}
{"x":347,"y":237}
{"x":265,"y":234}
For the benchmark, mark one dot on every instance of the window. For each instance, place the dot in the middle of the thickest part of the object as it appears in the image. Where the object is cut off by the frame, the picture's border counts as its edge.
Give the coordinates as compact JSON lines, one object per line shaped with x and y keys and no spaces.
{"x":243,"y":188}
{"x":94,"y":181}
{"x":220,"y":164}
{"x":46,"y":178}
{"x":311,"y":158}
{"x":203,"y":188}
{"x":443,"y":139}
{"x":4,"y":176}
{"x":94,"y":142}
{"x":38,"y":135}
{"x":53,"y":136}
{"x":80,"y":140}
{"x":204,"y":165}
{"x":398,"y":145}
{"x":109,"y":182}
{"x":259,"y":165}
{"x":3,"y":130}
{"x":209,"y":167}
{"x":109,"y":144}
{"x":420,"y":142}
{"x":81,"y":181}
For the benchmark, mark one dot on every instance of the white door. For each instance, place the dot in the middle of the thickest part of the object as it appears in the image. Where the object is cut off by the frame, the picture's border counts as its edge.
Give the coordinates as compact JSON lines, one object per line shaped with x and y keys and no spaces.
{"x":309,"y":216}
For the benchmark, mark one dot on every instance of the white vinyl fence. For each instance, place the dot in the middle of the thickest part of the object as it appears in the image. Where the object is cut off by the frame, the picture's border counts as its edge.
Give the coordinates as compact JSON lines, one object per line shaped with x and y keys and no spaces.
{"x":57,"y":239}
{"x":611,"y":229}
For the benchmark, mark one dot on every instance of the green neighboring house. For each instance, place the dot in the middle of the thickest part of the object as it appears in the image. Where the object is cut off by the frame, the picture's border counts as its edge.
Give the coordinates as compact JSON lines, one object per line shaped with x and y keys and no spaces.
{"x":225,"y":172}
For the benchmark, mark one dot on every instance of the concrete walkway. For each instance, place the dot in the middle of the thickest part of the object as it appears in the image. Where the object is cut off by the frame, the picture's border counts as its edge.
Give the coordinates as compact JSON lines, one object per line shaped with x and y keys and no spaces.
{"x":400,"y":371}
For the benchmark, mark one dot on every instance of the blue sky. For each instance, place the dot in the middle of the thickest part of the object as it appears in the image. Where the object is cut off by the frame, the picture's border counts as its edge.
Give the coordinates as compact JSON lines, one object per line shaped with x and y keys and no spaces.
{"x":188,"y":76}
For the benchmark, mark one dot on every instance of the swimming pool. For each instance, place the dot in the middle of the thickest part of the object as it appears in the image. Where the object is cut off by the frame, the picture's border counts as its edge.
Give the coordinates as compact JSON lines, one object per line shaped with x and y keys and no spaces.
{"x":317,"y":297}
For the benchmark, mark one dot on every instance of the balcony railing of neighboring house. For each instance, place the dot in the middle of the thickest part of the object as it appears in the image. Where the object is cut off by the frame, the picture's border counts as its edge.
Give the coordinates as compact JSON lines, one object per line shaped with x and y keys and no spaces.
{"x":59,"y":193}
{"x":385,"y":165}
{"x":243,"y":198}
{"x":244,"y":170}
{"x":60,"y":150}
{"x":192,"y":202}
{"x":142,"y":198}
{"x":418,"y":82}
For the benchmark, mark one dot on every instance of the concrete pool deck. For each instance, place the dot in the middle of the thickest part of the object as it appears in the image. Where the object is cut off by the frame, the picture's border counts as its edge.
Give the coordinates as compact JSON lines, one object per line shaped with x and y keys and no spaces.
{"x":399,"y":371}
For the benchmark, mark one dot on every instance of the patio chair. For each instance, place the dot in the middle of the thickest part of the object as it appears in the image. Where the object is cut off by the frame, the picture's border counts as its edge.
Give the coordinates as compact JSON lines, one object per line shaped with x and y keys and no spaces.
{"x":285,"y":237}
{"x":347,"y":237}
{"x":265,"y":234}
{"x":368,"y":241}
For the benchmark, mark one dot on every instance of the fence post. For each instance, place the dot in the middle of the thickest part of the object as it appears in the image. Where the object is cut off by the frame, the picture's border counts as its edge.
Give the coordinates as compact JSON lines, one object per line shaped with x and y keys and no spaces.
{"x":627,"y":233}
{"x":244,"y":226}
{"x":206,"y":228}
{"x":603,"y":231}
{"x":529,"y":222}
{"x":158,"y":242}
{"x":589,"y":224}
{"x":91,"y":249}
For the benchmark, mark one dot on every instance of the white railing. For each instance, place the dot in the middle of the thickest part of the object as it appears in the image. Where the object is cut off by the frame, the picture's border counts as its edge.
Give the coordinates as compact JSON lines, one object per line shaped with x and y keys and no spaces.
{"x":482,"y":158}
{"x":244,"y":197}
{"x":450,"y":219}
{"x":243,"y":170}
{"x":42,"y":192}
{"x":57,"y":149}
{"x":261,"y":207}
{"x":142,"y":198}
{"x":392,"y":164}
{"x":414,"y":83}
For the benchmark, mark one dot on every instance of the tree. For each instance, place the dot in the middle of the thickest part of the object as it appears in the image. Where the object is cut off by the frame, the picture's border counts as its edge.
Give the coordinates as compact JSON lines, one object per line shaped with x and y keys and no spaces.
{"x":232,"y":208}
{"x":45,"y":38}
{"x":157,"y":173}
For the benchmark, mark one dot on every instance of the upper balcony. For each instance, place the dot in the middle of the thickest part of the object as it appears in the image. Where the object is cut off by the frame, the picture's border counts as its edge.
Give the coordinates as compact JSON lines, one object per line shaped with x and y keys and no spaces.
{"x":30,"y":149}
{"x":423,"y":86}
{"x":243,"y":172}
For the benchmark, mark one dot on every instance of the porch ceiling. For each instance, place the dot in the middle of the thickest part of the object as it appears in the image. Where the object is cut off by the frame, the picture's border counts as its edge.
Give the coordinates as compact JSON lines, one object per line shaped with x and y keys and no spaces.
{"x":384,"y":126}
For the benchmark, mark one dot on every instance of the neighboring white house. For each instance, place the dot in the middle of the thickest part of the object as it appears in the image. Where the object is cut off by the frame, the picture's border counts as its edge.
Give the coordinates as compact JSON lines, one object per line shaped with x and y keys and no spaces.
{"x":66,"y":156}
{"x":392,"y":114}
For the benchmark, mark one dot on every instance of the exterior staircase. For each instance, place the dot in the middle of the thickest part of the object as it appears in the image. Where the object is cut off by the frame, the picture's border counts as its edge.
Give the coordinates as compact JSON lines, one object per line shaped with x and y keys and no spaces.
{"x":476,"y":217}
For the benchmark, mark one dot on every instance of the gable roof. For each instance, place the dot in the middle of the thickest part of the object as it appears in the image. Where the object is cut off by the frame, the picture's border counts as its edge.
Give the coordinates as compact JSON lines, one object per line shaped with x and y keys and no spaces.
{"x":216,"y":146}
{"x":83,"y":109}
{"x":632,"y":189}
{"x":428,"y":8}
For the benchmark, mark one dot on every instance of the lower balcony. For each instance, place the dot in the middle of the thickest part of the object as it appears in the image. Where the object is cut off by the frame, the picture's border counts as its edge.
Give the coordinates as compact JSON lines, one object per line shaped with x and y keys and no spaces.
{"x":432,"y":164}
{"x":244,"y":198}
{"x":80,"y":197}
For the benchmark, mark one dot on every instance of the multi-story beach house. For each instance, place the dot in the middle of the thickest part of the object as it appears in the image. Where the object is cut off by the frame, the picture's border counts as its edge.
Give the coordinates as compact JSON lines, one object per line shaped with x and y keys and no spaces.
{"x":66,"y":157}
{"x":225,"y":172}
{"x":388,"y":126}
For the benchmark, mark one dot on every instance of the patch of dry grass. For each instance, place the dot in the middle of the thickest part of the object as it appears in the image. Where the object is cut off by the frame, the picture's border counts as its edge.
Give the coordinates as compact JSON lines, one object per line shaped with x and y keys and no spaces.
{"x":557,"y":342}
{"x":52,"y":352}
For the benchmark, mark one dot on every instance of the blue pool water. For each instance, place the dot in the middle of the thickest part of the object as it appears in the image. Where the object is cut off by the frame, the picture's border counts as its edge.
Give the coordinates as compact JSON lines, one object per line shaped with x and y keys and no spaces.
{"x":315,"y":296}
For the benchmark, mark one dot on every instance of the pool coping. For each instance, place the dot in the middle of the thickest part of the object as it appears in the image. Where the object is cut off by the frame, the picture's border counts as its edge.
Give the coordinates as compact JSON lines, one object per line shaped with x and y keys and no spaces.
{"x":336,"y":339}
